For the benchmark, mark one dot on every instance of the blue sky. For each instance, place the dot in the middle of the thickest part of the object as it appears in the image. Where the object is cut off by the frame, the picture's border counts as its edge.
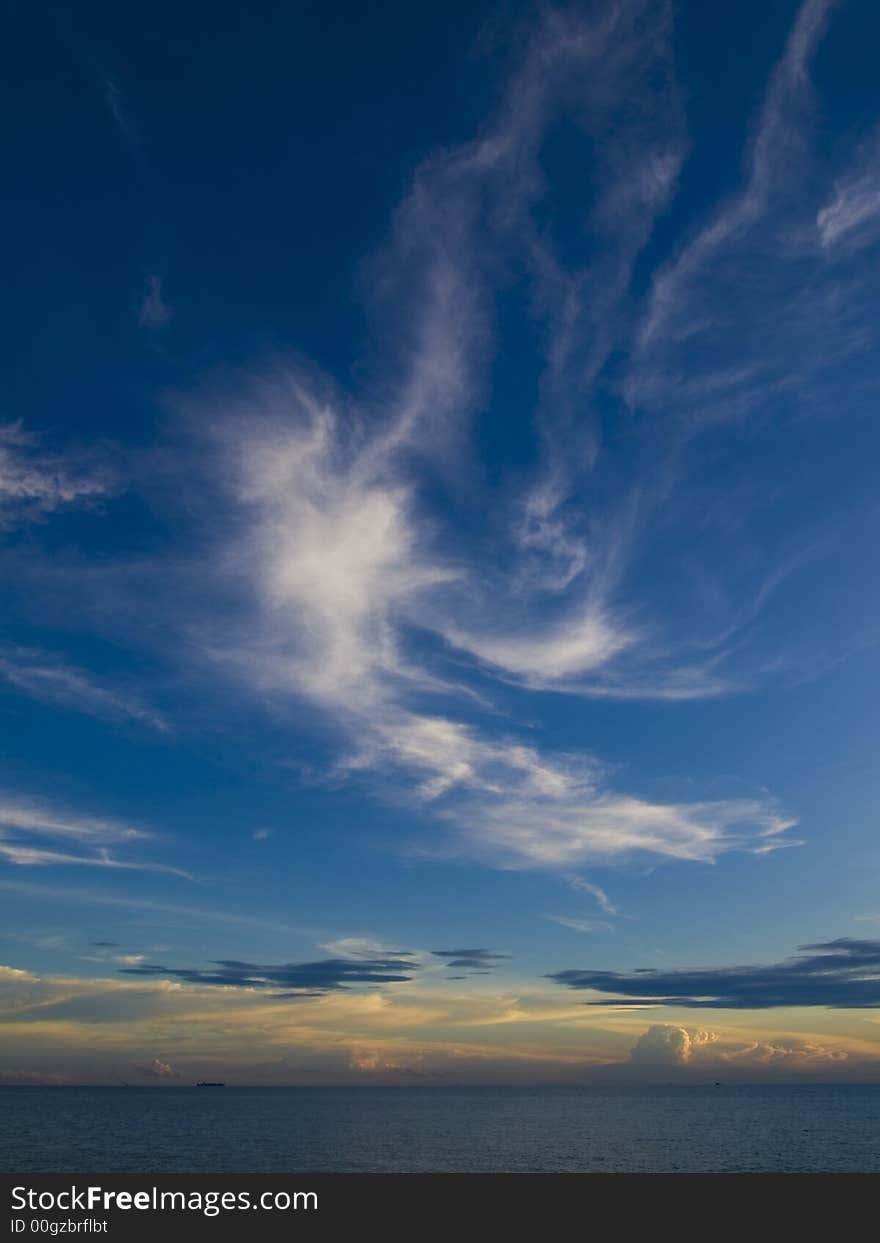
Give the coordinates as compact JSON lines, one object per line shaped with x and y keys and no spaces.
{"x":438,"y":509}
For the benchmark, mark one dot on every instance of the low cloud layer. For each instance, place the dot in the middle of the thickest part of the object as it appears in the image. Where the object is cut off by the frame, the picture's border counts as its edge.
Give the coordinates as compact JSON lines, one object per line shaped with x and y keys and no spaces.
{"x":64,"y":1029}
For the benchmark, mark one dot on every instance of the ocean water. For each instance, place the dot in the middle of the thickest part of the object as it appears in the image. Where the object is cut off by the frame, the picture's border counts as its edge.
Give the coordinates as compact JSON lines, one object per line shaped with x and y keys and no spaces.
{"x":437,"y":1130}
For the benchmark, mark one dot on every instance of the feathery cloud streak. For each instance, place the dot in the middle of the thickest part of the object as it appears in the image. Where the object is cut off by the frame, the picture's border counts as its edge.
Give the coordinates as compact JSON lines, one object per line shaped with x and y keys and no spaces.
{"x":364,"y":601}
{"x":43,"y":676}
{"x":35,"y":483}
{"x":30,"y":834}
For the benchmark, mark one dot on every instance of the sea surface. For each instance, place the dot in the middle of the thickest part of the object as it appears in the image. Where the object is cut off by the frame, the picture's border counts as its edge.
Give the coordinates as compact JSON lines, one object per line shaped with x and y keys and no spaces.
{"x":437,"y":1130}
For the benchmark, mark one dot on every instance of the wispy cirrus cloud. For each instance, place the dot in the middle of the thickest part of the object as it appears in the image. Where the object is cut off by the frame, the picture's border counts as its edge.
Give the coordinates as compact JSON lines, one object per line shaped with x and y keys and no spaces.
{"x":154,"y":310}
{"x":359,"y":949}
{"x":24,"y":815}
{"x":330,"y":547}
{"x":509,"y":805}
{"x":776,"y":145}
{"x":43,"y":676}
{"x":172,"y":912}
{"x":373,"y":565}
{"x":581,"y":885}
{"x":850,"y":218}
{"x":336,"y":487}
{"x":35,"y":483}
{"x":121,"y":115}
{"x":31,"y":833}
{"x":351,"y":589}
{"x":581,"y":925}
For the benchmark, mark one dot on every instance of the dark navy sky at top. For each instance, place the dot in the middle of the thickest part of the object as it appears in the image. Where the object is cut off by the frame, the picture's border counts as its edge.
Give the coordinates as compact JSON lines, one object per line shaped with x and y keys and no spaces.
{"x":267,"y":145}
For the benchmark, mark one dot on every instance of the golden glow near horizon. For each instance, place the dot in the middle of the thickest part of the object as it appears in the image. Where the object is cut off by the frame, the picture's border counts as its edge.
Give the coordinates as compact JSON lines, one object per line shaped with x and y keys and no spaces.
{"x":60,"y":1029}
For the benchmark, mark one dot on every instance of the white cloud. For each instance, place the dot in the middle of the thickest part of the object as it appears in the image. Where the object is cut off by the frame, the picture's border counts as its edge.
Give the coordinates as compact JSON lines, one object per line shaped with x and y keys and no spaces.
{"x":553,"y":655}
{"x":114,"y":97}
{"x":356,"y":948}
{"x":581,"y":885}
{"x":665,"y":1046}
{"x":597,"y":826}
{"x":26,"y":826}
{"x":776,"y":144}
{"x":35,"y":856}
{"x":340,"y":547}
{"x":345,"y":573}
{"x":158,"y":1069}
{"x":787,"y":1051}
{"x":581,"y":925}
{"x":339,"y":539}
{"x":44,"y":677}
{"x":153,"y":311}
{"x":26,"y":816}
{"x":34,"y":483}
{"x":351,"y":591}
{"x":854,"y":209}
{"x":850,"y":219}
{"x":514,"y":807}
{"x":174,"y":911}
{"x":332,"y":551}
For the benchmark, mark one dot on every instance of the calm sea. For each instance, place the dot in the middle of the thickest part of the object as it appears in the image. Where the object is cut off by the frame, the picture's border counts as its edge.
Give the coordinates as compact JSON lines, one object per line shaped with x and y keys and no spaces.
{"x":408,"y":1130}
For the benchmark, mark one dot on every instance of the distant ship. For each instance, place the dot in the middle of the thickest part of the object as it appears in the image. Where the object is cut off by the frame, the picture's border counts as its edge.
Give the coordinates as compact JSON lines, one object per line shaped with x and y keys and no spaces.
{"x":205,"y":1083}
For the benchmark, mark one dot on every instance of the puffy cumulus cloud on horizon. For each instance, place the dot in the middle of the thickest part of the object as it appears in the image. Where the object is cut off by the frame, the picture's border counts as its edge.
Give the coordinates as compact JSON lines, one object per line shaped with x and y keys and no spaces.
{"x":158,"y":1069}
{"x":665,"y":1045}
{"x":667,"y":1048}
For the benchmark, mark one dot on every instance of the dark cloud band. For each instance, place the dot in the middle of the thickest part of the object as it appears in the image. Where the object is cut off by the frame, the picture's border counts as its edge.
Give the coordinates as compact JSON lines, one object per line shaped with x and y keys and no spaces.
{"x":297,"y":979}
{"x":472,"y":959}
{"x":841,"y":974}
